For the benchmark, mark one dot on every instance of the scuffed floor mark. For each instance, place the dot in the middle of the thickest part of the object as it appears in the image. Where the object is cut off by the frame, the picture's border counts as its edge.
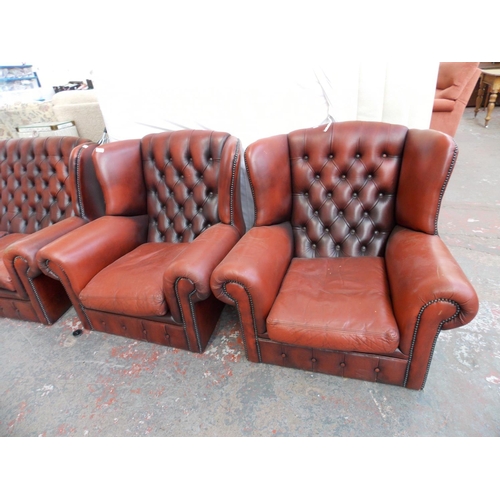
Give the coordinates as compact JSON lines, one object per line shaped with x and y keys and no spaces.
{"x":493,"y":379}
{"x":21,"y":415}
{"x":142,"y":360}
{"x":72,"y":323}
{"x":224,"y":352}
{"x":228,"y":349}
{"x":45,"y":390}
{"x":379,"y":406}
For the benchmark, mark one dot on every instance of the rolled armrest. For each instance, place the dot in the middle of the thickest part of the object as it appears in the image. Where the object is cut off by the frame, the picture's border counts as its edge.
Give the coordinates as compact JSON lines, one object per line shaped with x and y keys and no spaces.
{"x":424,"y":275}
{"x":28,"y":247}
{"x":197,"y":262}
{"x":80,"y":255}
{"x":258,"y":264}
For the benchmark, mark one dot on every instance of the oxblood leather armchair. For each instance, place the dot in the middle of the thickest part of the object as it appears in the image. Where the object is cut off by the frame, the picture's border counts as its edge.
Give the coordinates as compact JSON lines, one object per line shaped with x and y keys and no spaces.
{"x":172,"y":213}
{"x":455,"y":84}
{"x":343,"y":272}
{"x":48,"y":189}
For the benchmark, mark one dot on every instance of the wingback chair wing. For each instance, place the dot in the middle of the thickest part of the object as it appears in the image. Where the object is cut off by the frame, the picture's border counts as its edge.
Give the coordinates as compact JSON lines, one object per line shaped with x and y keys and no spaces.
{"x":455,"y":84}
{"x":343,"y":272}
{"x":173,"y":211}
{"x":47,"y":184}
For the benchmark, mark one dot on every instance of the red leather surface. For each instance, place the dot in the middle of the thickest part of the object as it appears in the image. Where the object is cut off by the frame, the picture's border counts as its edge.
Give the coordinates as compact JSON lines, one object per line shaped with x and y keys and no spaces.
{"x":347,"y":189}
{"x":230,"y":210}
{"x":119,"y":171}
{"x":258,"y":262}
{"x":145,"y":329}
{"x":28,"y":246}
{"x":79,"y":256}
{"x":173,"y":211}
{"x":37,"y":205}
{"x":86,"y":192}
{"x":6,"y":281}
{"x":133,"y":284}
{"x":182,"y":173}
{"x":335,"y":303}
{"x":427,"y":165}
{"x":421,"y":270}
{"x":34,"y":178}
{"x":344,"y":183}
{"x":197,"y":263}
{"x":370,"y":367}
{"x":270,"y":179}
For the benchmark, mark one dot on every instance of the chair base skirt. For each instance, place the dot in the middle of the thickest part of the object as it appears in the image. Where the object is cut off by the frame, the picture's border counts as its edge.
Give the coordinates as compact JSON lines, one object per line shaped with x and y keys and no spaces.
{"x":369,"y":367}
{"x":193,"y":337}
{"x":23,"y":310}
{"x":18,"y":309}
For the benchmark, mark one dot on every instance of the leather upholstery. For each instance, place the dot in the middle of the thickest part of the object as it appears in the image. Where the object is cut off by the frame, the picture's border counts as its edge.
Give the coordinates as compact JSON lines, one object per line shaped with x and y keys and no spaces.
{"x":344,"y":188}
{"x":344,"y":272}
{"x":362,"y":319}
{"x":454,"y":86}
{"x":41,"y":191}
{"x":172,"y":213}
{"x":131,"y":285}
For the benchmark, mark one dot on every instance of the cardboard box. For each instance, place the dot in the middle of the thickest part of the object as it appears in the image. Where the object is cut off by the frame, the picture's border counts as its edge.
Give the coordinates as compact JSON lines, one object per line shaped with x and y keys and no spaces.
{"x":48,"y":129}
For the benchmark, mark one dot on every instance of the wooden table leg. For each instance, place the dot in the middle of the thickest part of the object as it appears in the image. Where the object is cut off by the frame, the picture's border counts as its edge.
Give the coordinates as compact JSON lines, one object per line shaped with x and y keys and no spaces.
{"x":480,"y":95}
{"x":491,"y":105}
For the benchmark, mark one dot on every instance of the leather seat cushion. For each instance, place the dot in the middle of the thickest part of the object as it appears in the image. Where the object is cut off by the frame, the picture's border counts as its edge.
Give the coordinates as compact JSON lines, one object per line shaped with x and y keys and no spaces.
{"x":338,"y":303}
{"x":5,"y":241}
{"x":133,"y":284}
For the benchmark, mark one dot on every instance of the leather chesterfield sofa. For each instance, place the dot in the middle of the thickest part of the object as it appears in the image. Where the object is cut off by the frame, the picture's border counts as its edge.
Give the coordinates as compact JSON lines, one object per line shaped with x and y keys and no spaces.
{"x":172,"y":212}
{"x":48,"y":189}
{"x":344,"y":272}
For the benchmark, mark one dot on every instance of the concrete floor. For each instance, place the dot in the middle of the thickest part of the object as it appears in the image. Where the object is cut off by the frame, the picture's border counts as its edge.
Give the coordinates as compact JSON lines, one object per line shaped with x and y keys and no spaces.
{"x":54,"y":384}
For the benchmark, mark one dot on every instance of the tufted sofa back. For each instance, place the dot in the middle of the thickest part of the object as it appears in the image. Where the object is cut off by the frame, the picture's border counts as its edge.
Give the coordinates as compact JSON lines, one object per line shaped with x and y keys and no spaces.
{"x":344,"y":190}
{"x":34,"y":174}
{"x":344,"y":184}
{"x":186,"y":181}
{"x":337,"y":188}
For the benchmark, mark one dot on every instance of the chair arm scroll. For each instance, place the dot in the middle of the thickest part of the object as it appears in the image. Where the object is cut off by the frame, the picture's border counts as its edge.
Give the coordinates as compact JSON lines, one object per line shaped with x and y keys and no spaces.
{"x":257,"y":265}
{"x":77,"y":257}
{"x":196,"y":264}
{"x":422,"y":276}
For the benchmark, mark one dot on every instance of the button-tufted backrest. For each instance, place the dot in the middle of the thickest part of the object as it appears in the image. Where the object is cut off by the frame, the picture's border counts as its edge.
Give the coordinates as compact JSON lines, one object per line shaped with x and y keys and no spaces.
{"x":344,"y":183}
{"x":184,"y":172}
{"x":34,"y":182}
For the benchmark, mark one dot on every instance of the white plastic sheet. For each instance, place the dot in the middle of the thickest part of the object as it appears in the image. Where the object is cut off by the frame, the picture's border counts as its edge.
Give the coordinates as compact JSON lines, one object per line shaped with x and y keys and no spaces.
{"x":263,"y":100}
